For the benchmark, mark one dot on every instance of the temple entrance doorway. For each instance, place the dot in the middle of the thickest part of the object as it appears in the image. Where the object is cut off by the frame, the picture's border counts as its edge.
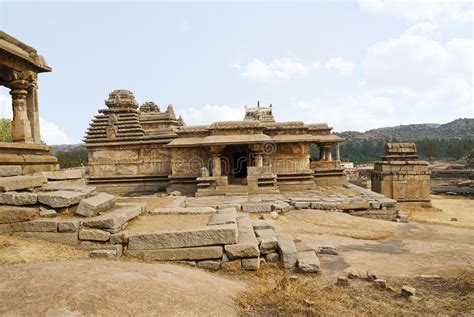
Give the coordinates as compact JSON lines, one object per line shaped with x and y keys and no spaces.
{"x":235,"y":161}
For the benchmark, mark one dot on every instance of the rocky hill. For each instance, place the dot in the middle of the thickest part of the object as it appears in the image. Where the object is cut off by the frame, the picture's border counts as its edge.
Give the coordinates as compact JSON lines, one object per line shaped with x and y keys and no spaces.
{"x":457,"y":129}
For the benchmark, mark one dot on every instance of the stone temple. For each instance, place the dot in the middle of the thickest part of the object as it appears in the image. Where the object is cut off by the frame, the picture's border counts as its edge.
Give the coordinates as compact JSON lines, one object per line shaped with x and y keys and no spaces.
{"x":134,"y":148}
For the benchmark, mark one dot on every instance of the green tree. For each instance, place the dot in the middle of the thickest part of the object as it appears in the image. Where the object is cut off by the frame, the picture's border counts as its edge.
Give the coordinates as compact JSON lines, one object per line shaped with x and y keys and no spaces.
{"x":5,"y":130}
{"x":456,"y":151}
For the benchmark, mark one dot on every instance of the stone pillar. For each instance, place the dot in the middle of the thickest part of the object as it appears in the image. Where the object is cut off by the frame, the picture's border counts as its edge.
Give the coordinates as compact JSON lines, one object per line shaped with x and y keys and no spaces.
{"x":21,"y":126}
{"x":322,"y":153}
{"x":258,"y":160}
{"x":33,"y":112}
{"x":338,"y":152}
{"x":216,"y":164}
{"x":329,"y":153}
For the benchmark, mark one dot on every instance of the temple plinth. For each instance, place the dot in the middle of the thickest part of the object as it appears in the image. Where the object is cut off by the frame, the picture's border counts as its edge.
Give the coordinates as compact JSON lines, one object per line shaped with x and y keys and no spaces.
{"x":19,"y":68}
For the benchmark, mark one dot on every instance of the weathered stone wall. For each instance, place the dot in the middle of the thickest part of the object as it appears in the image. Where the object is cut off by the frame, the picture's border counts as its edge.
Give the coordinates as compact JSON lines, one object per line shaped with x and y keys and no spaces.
{"x":290,"y":157}
{"x":139,"y":159}
{"x":188,"y":161}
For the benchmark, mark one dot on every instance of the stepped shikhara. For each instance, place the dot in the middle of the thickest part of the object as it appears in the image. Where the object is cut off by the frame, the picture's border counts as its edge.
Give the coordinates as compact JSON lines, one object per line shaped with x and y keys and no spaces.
{"x":134,"y":148}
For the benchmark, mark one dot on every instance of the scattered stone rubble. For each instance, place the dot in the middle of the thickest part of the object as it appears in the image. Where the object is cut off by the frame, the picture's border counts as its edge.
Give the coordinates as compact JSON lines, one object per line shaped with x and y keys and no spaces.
{"x":38,"y":206}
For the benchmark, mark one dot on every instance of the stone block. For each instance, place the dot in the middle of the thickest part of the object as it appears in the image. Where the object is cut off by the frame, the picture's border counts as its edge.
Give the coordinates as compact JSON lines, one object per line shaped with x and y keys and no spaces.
{"x":212,"y":235}
{"x":179,"y":254}
{"x":10,"y":214}
{"x":10,"y":170}
{"x":302,"y":246}
{"x":380,"y":284}
{"x":324,"y":205}
{"x":183,"y":210}
{"x":257,"y":207}
{"x":117,"y":238}
{"x":327,"y":249}
{"x":223,"y":217}
{"x":263,"y":224}
{"x":371,"y":275}
{"x":18,"y":198}
{"x":47,"y":213}
{"x":302,"y":204}
{"x":308,"y":262}
{"x":231,"y":266}
{"x":342,"y":281}
{"x":93,"y":205}
{"x":36,"y":225}
{"x":273,"y":257}
{"x":104,"y":254}
{"x":68,"y":225}
{"x":287,"y":250}
{"x":268,"y":240}
{"x":67,"y":238}
{"x":247,"y":243}
{"x":11,"y":183}
{"x":251,"y":264}
{"x":281,"y":206}
{"x":61,"y":198}
{"x":408,"y":291}
{"x":5,"y":228}
{"x":114,"y":219}
{"x":211,"y":265}
{"x":94,"y":235}
{"x":88,"y":190}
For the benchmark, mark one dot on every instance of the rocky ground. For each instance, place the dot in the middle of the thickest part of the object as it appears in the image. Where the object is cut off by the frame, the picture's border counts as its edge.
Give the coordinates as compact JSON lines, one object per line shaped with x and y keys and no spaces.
{"x":399,"y":253}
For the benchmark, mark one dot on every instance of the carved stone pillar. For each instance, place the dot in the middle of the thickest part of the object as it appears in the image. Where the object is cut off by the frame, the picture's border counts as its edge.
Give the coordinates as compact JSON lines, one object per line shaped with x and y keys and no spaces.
{"x":21,"y":126}
{"x":215,"y":152}
{"x":322,"y":153}
{"x":338,"y":152}
{"x":33,"y":112}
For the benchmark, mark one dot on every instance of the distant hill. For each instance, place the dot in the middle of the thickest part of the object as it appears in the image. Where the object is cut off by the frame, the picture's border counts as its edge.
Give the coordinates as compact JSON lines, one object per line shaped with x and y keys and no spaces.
{"x":457,"y":129}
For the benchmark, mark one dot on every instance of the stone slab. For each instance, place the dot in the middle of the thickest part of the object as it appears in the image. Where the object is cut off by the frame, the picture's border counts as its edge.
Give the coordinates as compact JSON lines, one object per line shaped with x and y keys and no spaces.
{"x":308,"y":262}
{"x":179,"y":254}
{"x":251,"y":264}
{"x":10,"y":170}
{"x":183,"y":210}
{"x":18,"y":198}
{"x":89,"y":190}
{"x":211,"y":235}
{"x":257,"y":207}
{"x":93,"y":235}
{"x":267,"y":239}
{"x":93,"y":205}
{"x":10,"y":214}
{"x":56,"y":237}
{"x":212,"y":265}
{"x":302,"y":204}
{"x":63,"y":175}
{"x":121,"y":237}
{"x":21,"y":182}
{"x":287,"y":250}
{"x":47,"y":213}
{"x":114,"y":219}
{"x":68,"y":225}
{"x":263,"y":224}
{"x":281,"y":206}
{"x":223,"y":217}
{"x":247,"y":243}
{"x":36,"y":225}
{"x":103,"y":254}
{"x":231,"y":266}
{"x":61,"y":198}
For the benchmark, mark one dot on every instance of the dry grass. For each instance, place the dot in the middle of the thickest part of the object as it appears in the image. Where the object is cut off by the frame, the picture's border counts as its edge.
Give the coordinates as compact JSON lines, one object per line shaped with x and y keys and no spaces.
{"x":20,"y":250}
{"x":276,"y":293}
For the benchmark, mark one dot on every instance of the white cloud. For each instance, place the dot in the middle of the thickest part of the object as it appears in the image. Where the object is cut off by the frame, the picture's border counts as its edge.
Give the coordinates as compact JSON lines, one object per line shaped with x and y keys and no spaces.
{"x":212,"y":113}
{"x":419,"y":10}
{"x":52,"y":134}
{"x":340,"y":64}
{"x":425,"y":73}
{"x":358,"y":113}
{"x":426,"y":29}
{"x":281,"y":68}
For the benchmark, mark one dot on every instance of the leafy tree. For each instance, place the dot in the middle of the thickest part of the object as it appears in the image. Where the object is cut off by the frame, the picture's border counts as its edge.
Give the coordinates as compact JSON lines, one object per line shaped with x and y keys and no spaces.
{"x":456,"y":151}
{"x":73,"y":156}
{"x":5,"y":130}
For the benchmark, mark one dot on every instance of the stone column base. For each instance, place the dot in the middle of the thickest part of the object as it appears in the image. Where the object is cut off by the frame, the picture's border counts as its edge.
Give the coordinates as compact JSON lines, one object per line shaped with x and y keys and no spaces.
{"x":31,"y":157}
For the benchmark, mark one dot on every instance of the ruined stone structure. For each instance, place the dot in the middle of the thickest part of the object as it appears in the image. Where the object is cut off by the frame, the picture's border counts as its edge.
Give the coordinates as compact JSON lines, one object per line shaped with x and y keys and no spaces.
{"x":145,"y":149}
{"x":401,"y":176}
{"x":20,"y":65}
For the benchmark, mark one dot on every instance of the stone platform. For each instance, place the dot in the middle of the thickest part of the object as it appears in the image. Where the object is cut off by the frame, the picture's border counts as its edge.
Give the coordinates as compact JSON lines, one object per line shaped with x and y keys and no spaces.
{"x":31,"y":157}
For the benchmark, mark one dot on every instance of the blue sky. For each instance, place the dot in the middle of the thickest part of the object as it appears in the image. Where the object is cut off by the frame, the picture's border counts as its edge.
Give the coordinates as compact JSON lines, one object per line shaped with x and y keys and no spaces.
{"x":354,"y":64}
